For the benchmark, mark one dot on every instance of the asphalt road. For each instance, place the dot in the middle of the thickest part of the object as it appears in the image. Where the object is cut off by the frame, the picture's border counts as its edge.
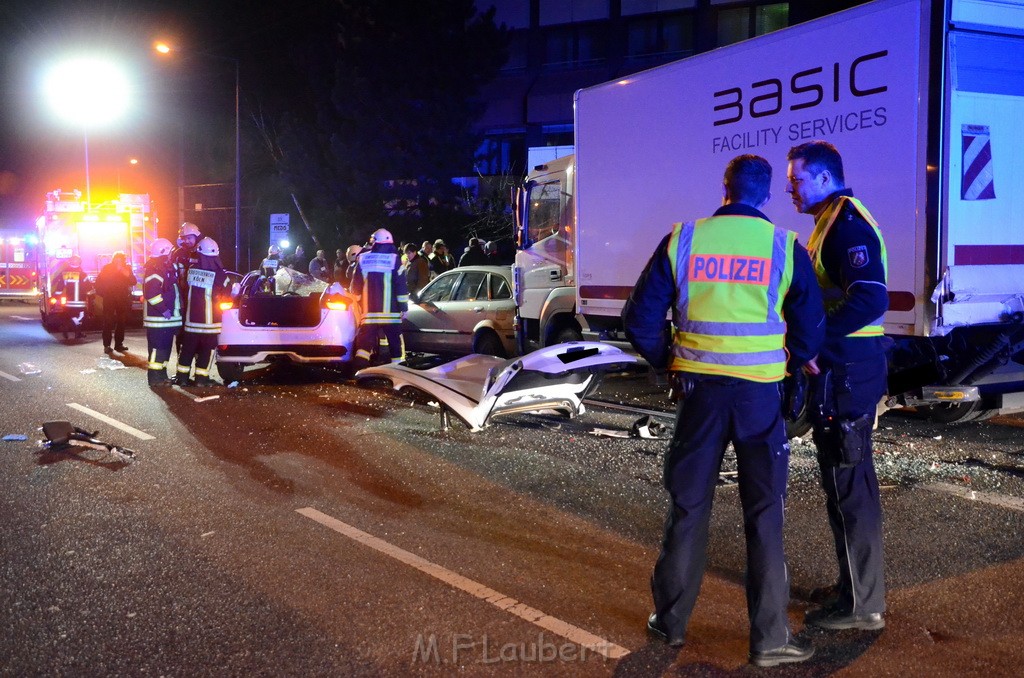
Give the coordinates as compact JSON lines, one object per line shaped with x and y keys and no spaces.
{"x":300,"y":525}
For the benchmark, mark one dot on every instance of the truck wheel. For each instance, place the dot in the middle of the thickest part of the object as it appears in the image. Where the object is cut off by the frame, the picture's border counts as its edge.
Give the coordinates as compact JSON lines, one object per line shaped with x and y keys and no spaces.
{"x":50,"y":323}
{"x":799,"y":427}
{"x":230,"y":372}
{"x":565,"y":332}
{"x":960,"y":413}
{"x":488,"y":343}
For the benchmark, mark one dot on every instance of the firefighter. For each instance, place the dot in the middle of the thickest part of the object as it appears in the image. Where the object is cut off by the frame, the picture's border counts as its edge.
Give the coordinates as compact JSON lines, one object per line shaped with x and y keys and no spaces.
{"x":847,"y":380}
{"x":162,"y":315}
{"x":745,"y":310}
{"x":72,"y":284}
{"x":208,"y":285}
{"x":268,"y":269}
{"x":183,"y":258}
{"x":380,"y":286}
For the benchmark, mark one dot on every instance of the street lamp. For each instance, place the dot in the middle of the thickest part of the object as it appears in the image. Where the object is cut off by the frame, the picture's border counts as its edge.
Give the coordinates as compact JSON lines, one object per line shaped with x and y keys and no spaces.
{"x":87,"y":91}
{"x":166,"y":48}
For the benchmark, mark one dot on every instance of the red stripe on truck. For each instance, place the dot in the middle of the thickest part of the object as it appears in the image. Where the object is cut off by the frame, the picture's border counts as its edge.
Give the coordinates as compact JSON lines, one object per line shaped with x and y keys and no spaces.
{"x":988,"y":255}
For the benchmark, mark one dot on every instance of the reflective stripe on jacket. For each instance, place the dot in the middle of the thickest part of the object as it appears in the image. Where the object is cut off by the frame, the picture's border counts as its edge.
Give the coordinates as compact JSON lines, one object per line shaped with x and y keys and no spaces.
{"x":732,"y":274}
{"x":205,"y":290}
{"x":160,"y":293}
{"x":834,"y":296}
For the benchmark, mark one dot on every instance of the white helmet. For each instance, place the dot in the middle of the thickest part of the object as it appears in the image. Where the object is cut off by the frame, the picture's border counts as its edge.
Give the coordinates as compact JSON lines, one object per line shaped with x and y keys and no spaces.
{"x":273,"y":250}
{"x":188,"y":228}
{"x":160,"y":247}
{"x":383,"y":236}
{"x":208,"y":247}
{"x":353,"y":250}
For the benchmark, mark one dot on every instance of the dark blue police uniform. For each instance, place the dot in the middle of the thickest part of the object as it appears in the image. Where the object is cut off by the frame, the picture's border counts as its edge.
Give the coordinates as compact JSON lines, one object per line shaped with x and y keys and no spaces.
{"x":718,"y":410}
{"x":851,"y":383}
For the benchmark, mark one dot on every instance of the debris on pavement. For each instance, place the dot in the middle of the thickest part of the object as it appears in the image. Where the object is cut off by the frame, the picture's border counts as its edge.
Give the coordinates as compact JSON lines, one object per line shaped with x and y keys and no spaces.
{"x":29,"y":369}
{"x":63,"y":436}
{"x":11,"y":437}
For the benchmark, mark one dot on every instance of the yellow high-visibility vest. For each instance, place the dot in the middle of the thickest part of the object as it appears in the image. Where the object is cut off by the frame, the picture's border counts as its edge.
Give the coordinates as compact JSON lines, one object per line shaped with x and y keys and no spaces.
{"x":732,"y":274}
{"x":833,"y":296}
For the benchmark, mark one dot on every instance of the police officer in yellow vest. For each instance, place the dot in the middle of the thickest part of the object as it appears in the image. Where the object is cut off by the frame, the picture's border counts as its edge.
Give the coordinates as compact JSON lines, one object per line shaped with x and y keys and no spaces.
{"x":847,"y":380}
{"x":745,"y":310}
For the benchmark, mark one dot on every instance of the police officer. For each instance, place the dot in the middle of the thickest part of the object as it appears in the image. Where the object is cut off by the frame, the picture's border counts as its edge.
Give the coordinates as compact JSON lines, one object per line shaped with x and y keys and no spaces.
{"x":381,"y":288}
{"x":162,"y":314}
{"x":208,"y":285}
{"x":847,"y":379}
{"x":74,"y":286}
{"x":742,"y":294}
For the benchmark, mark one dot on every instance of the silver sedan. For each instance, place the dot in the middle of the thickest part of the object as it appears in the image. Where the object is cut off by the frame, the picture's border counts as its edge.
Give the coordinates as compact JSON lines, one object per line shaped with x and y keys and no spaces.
{"x":465,"y":310}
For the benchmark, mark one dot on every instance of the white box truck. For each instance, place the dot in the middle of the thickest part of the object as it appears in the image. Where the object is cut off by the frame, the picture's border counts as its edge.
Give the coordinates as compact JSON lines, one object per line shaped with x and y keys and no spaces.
{"x":925,"y":101}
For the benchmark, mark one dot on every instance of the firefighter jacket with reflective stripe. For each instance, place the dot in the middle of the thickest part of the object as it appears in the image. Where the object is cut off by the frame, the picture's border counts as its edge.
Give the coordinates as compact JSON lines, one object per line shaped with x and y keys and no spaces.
{"x":205,"y":290}
{"x":732,"y":274}
{"x":73,"y":284}
{"x":857,"y":265}
{"x":160,"y":294}
{"x":380,"y":285}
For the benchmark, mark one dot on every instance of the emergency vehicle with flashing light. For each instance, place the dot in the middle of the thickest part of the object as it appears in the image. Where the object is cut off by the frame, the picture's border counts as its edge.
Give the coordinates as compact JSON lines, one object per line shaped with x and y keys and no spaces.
{"x":70,"y":226}
{"x":18,"y":275}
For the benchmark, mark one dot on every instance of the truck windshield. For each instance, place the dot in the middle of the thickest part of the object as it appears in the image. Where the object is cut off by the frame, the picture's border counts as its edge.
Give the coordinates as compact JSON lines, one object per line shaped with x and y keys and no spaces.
{"x":542,"y":217}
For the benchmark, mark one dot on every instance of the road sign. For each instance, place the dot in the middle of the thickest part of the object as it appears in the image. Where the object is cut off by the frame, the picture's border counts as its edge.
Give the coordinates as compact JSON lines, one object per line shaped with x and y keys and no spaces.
{"x":279,"y":226}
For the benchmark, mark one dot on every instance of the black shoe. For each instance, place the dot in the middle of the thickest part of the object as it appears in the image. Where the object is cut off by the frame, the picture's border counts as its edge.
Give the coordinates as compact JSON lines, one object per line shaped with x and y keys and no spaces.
{"x":121,"y":349}
{"x":204,"y":382}
{"x":108,"y":350}
{"x":790,"y":653}
{"x":655,"y":627}
{"x":182,"y":381}
{"x":840,"y":620}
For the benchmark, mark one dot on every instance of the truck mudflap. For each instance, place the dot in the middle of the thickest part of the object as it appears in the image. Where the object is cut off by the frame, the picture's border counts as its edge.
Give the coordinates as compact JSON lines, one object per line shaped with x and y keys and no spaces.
{"x":478,"y":387}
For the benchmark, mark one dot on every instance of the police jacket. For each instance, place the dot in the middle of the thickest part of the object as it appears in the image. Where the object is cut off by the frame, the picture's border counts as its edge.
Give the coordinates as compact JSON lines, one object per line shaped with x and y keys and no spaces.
{"x":160,"y":294}
{"x":380,"y":285}
{"x":74,"y":285}
{"x":849,"y":256}
{"x":658,"y":290}
{"x":205,"y":289}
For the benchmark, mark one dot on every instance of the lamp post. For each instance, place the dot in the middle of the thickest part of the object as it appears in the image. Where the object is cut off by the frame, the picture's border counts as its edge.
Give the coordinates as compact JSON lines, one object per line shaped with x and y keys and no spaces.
{"x":166,"y":48}
{"x":89,"y":92}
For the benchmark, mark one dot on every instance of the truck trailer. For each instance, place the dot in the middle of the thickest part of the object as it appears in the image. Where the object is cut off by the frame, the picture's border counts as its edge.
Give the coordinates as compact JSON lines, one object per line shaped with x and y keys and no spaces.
{"x":924,"y":100}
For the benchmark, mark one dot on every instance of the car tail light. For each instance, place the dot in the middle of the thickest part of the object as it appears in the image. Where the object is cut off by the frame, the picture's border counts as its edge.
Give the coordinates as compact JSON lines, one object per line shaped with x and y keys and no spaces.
{"x":226,"y":305}
{"x":337,"y":305}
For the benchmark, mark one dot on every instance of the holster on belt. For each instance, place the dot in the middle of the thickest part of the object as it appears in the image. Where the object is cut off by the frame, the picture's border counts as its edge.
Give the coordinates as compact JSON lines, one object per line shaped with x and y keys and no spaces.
{"x":680,"y":386}
{"x":844,"y":442}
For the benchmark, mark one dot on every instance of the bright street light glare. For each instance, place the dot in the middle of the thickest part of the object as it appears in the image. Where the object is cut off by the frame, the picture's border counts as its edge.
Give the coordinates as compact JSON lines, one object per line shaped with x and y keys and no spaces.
{"x":162,"y":47}
{"x":87,"y":92}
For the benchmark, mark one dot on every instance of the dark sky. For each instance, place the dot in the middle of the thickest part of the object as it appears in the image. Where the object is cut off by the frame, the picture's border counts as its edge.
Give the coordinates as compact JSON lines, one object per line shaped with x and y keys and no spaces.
{"x":38,"y":154}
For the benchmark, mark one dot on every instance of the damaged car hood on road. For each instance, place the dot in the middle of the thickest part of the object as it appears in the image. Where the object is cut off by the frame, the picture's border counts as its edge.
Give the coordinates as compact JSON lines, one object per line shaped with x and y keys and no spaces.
{"x":477,"y":387}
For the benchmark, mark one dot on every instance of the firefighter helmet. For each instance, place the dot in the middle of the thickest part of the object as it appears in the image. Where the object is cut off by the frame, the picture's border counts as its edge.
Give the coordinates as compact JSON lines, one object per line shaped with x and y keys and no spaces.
{"x":188,"y":228}
{"x":273,"y":251}
{"x":160,"y":247}
{"x":353,"y":250}
{"x":208,"y":247}
{"x":383,"y":236}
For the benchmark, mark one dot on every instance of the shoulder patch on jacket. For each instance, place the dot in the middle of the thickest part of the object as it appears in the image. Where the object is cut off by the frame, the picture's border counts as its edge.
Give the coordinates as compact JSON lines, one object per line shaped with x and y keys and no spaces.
{"x":858,"y":256}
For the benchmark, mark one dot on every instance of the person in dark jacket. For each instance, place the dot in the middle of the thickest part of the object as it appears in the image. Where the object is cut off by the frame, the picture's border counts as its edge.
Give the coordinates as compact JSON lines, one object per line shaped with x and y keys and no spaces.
{"x":847,"y":380}
{"x":745,"y":311}
{"x":208,"y":285}
{"x":380,"y":287}
{"x":318,"y":267}
{"x":114,"y":286}
{"x":474,"y":254}
{"x":416,"y":269}
{"x":441,"y":259}
{"x":162,"y":313}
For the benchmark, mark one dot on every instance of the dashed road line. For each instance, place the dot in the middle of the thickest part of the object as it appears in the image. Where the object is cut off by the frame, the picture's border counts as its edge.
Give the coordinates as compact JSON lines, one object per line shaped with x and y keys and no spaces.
{"x":974,"y":495}
{"x":141,"y":435}
{"x":21,"y":317}
{"x":9,"y":376}
{"x":501,"y":601}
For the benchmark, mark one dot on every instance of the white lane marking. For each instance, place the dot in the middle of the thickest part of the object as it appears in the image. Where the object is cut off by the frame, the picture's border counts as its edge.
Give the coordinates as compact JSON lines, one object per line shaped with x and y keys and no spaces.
{"x":501,"y":601}
{"x":195,"y":398}
{"x":21,"y":317}
{"x":973,"y":495}
{"x":141,"y":435}
{"x":9,"y":376}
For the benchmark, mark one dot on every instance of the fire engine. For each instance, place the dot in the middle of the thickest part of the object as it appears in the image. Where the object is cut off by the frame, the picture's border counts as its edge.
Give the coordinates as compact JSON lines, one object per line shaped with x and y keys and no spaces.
{"x":18,"y":253}
{"x":70,"y":226}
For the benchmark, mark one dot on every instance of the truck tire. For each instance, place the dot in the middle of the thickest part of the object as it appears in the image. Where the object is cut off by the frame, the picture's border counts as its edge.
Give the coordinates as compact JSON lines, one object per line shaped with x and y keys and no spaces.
{"x":563,"y":332}
{"x":230,"y":372}
{"x":487,"y":342}
{"x":799,"y":427}
{"x":51,"y":323}
{"x":960,"y":413}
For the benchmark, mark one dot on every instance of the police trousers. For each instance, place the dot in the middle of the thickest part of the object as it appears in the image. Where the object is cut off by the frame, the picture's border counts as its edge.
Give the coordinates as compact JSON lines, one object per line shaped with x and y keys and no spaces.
{"x":851,"y":490}
{"x":717,"y":412}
